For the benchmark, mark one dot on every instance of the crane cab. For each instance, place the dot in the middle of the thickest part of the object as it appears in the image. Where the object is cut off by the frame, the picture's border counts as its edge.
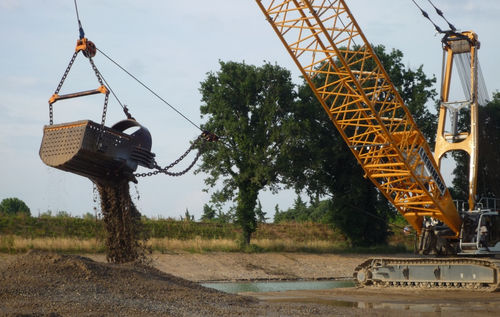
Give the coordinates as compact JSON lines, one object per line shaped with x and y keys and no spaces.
{"x":480,"y":234}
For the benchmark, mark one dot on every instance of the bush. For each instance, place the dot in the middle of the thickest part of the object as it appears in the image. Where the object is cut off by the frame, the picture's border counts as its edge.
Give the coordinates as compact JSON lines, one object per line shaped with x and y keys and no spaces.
{"x":12,"y":206}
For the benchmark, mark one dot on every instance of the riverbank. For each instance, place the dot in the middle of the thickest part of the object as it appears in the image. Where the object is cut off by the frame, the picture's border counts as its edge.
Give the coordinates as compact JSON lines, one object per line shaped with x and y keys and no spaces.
{"x":237,"y":266}
{"x":42,"y":283}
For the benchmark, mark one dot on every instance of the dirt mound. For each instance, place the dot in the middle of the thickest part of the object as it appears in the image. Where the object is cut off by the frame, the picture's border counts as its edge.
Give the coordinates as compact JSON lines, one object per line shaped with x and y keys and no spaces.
{"x":47,"y":284}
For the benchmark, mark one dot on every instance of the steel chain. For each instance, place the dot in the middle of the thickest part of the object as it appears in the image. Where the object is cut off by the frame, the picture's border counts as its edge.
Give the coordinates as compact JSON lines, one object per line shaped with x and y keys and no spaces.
{"x":106,"y":98}
{"x":61,"y":82}
{"x":164,"y":170}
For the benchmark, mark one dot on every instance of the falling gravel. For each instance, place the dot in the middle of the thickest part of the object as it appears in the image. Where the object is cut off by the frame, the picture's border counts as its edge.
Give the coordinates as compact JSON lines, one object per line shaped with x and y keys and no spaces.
{"x":125,"y":236}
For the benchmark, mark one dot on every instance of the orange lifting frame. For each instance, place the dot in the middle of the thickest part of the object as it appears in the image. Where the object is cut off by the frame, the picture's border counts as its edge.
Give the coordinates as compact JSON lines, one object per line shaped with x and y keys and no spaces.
{"x":348,"y":79}
{"x":88,"y":49}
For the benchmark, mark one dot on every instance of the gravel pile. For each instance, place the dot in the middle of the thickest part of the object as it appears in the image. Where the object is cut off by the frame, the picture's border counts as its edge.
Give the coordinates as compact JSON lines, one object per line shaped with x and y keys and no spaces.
{"x":47,"y":284}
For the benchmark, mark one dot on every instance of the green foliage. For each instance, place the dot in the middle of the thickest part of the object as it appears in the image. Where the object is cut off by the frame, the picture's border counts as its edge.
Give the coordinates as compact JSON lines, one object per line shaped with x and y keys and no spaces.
{"x":63,"y":214}
{"x":187,"y":216}
{"x":85,"y":228}
{"x":208,"y":213}
{"x":185,"y":230}
{"x":47,"y":226}
{"x":11,"y":206}
{"x":316,"y":212}
{"x":361,"y":214}
{"x":489,"y":160}
{"x":216,"y":214}
{"x":489,"y":138}
{"x":272,"y":135}
{"x":89,"y":216}
{"x":46,"y":214}
{"x":260,"y":213}
{"x":282,"y":237}
{"x":248,"y":107}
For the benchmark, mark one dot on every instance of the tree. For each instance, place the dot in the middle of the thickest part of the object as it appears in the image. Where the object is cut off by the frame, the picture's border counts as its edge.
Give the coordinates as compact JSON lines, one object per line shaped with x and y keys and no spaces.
{"x":489,"y":138}
{"x":63,"y":214}
{"x":299,"y":212}
{"x":12,"y":206}
{"x":89,"y":216}
{"x":249,"y":108}
{"x":208,"y":213}
{"x":321,"y":162}
{"x":317,"y":211}
{"x":489,"y":160}
{"x":187,"y":216}
{"x":260,"y":214}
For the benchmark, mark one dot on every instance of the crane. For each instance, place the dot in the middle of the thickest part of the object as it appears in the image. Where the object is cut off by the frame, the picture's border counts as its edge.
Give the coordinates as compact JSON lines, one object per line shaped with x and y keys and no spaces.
{"x":340,"y":66}
{"x":337,"y":61}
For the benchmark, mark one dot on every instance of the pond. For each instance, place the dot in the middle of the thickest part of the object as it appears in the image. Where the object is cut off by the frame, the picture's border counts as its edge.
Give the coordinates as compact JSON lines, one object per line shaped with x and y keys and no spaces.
{"x":277,"y":286}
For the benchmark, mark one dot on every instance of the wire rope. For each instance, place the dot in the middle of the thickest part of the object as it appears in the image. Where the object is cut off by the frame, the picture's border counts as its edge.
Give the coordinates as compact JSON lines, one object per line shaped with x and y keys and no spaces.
{"x":82,"y":35}
{"x":438,"y":29}
{"x":149,"y":89}
{"x":441,"y":14}
{"x":80,"y":28}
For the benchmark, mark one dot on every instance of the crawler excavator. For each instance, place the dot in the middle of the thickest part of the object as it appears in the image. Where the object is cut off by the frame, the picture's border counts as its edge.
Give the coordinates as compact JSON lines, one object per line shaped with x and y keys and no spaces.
{"x":348,"y":79}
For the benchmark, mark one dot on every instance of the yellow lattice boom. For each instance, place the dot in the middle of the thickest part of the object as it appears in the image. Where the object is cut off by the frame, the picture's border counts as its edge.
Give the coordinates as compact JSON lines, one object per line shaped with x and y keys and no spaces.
{"x":348,"y":79}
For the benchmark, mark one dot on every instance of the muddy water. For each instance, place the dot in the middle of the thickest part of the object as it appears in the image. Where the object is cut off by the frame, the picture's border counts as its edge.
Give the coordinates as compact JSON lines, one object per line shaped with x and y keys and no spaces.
{"x":125,"y":237}
{"x":393,"y":302}
{"x":276,"y":286}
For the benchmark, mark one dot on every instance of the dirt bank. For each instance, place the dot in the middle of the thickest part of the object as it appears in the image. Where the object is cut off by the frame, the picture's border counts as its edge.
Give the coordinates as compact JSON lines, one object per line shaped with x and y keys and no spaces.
{"x":259,"y":266}
{"x":47,"y":284}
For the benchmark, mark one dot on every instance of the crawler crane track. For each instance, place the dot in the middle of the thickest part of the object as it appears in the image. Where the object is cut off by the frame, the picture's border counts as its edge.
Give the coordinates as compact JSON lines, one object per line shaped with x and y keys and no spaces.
{"x":429,"y":273}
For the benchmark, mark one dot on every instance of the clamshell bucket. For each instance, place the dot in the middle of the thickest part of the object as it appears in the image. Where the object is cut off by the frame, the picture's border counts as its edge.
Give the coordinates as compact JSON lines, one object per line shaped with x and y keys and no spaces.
{"x":100,"y":153}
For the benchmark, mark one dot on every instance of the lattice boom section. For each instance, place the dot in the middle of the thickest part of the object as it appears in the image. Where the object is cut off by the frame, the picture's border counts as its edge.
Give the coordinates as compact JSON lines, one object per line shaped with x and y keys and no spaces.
{"x":340,"y":66}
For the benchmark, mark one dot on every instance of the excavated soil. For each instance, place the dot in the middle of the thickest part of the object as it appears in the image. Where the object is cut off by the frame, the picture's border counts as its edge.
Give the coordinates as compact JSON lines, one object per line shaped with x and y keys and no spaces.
{"x":46,"y":284}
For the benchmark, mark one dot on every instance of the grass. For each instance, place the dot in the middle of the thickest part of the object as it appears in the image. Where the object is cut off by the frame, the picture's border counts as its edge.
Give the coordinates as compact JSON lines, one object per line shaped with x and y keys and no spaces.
{"x":16,"y":244}
{"x":19,"y":234}
{"x":199,"y":245}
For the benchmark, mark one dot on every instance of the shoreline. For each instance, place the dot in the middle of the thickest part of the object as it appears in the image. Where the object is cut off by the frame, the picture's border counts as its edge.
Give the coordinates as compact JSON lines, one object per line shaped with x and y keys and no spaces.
{"x":41,"y":283}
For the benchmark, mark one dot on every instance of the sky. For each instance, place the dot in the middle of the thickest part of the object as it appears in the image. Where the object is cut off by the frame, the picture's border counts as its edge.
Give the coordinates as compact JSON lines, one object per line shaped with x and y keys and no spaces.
{"x":170,"y":46}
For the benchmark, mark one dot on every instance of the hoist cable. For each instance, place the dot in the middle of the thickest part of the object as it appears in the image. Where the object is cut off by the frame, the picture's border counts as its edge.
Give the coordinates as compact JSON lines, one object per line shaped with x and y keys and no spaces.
{"x":483,"y":97}
{"x":149,"y":89}
{"x":440,"y":13}
{"x":124,"y":107}
{"x":205,"y":134}
{"x":80,"y":28}
{"x":428,"y":17}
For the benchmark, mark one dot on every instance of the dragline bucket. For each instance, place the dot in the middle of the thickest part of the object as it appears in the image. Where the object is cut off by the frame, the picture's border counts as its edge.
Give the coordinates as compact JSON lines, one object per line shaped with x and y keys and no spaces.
{"x":98,"y":152}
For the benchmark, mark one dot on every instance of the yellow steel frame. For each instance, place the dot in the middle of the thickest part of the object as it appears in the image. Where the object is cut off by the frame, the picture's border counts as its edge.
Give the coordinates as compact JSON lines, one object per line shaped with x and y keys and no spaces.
{"x":349,"y":81}
{"x":465,"y":141}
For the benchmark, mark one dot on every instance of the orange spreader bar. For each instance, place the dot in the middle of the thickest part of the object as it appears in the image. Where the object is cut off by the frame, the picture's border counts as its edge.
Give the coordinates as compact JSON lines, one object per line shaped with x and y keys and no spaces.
{"x":348,"y":79}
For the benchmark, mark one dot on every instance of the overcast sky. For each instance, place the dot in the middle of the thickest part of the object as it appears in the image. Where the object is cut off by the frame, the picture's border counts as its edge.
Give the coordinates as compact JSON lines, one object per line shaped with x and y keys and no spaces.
{"x":170,"y":45}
